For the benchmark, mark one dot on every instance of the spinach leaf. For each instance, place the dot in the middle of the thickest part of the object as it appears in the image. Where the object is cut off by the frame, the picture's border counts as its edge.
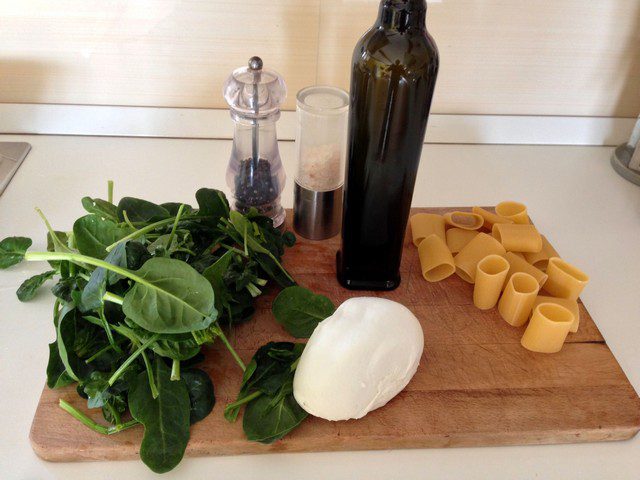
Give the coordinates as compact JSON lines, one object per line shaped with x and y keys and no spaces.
{"x":141,"y":211}
{"x":274,"y":270}
{"x":93,"y":235}
{"x":212,"y":203}
{"x":30,"y":286}
{"x":244,"y":234}
{"x":111,"y":399}
{"x":137,"y":254}
{"x":214,"y":274}
{"x":160,"y":247}
{"x":267,"y":419}
{"x":273,"y":367}
{"x":173,"y":207}
{"x":273,"y":238}
{"x":57,"y":376}
{"x":204,"y":259}
{"x":66,"y":287}
{"x":61,"y":236}
{"x":12,"y":250}
{"x":289,"y":239}
{"x":93,"y":292}
{"x":77,"y":339}
{"x":171,"y":298}
{"x":201,"y":393}
{"x":51,"y":247}
{"x":113,"y":409}
{"x":299,"y":310}
{"x":100,"y":207}
{"x":239,"y":309}
{"x":96,"y":388}
{"x":180,"y":346}
{"x":65,"y":338}
{"x":267,"y":390}
{"x":165,"y":418}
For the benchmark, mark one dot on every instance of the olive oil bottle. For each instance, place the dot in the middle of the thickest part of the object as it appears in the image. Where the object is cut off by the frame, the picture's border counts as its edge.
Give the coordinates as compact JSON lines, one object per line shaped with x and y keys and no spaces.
{"x":394,"y":71}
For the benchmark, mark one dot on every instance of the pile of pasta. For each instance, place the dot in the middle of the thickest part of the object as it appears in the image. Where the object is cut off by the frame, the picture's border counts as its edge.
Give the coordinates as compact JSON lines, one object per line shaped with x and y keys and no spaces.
{"x":509,"y":262}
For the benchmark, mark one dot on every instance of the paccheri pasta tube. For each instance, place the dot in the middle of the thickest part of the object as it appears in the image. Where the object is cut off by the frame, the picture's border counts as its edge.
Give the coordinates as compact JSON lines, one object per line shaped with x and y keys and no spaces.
{"x":464,"y":220}
{"x":467,"y":260}
{"x":570,"y":305}
{"x":518,"y":238}
{"x":490,"y":276}
{"x":548,"y":329}
{"x":436,"y":260}
{"x":518,"y":298}
{"x":541,"y":259}
{"x":565,"y":280}
{"x":513,"y":211}
{"x":425,"y":224}
{"x":519,"y":264}
{"x":457,"y":238}
{"x":490,"y":218}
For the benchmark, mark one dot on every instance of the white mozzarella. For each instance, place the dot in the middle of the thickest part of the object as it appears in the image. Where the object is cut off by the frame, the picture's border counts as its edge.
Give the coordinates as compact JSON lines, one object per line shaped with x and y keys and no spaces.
{"x":358,"y":359}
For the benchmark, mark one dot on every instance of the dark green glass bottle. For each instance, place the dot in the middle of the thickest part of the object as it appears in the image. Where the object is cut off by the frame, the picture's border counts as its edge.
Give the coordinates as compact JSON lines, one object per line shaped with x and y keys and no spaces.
{"x":395,"y":65}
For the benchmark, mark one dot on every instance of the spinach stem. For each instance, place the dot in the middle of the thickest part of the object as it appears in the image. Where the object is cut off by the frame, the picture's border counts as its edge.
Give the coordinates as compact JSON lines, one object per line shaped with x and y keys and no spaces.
{"x":114,"y":413}
{"x":152,"y":381}
{"x":56,"y":311}
{"x":175,"y":225}
{"x":107,"y":329}
{"x":233,"y":353}
{"x":113,"y":298}
{"x":246,"y":247}
{"x":123,"y":426}
{"x":185,"y":250}
{"x":234,"y":249}
{"x":243,"y":400}
{"x":253,"y":290}
{"x":98,"y":353}
{"x":78,"y":258}
{"x":110,"y":191}
{"x":43,"y":256}
{"x":131,"y":358}
{"x":78,"y":415}
{"x":151,"y":227}
{"x":126,"y":220}
{"x":72,"y":266}
{"x":54,"y":238}
{"x":135,"y":340}
{"x":175,"y":370}
{"x":96,"y":427}
{"x":294,"y":365}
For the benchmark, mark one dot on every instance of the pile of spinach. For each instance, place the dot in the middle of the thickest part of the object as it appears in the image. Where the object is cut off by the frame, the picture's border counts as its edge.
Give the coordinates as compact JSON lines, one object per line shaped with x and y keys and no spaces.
{"x":140,"y":287}
{"x":266,"y":392}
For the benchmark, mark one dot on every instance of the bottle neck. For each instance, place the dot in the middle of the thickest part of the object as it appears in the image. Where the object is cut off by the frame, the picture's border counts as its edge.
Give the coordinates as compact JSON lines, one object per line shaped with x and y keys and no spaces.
{"x":401,"y":15}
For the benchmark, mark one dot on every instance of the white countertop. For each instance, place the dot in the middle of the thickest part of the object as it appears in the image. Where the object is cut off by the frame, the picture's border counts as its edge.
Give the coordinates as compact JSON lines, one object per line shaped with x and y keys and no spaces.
{"x":589,"y":213}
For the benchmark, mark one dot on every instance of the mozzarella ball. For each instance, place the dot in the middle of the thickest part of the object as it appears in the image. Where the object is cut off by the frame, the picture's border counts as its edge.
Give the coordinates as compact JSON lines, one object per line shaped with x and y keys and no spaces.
{"x":358,"y":359}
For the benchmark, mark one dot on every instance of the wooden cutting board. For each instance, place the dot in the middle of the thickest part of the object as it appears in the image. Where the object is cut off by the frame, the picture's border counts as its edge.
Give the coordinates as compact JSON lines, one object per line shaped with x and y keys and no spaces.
{"x":476,"y":386}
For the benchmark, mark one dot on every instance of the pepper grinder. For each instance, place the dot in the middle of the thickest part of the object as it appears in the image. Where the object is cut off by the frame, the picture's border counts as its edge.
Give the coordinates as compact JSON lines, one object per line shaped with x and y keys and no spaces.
{"x":255,"y":173}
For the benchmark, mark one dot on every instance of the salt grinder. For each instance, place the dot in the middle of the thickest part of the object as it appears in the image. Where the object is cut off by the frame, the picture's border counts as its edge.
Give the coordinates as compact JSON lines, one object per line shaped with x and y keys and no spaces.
{"x":255,"y":173}
{"x":321,"y":144}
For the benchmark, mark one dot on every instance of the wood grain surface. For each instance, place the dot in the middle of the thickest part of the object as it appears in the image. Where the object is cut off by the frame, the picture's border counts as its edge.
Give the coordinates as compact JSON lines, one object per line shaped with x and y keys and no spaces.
{"x":476,"y":386}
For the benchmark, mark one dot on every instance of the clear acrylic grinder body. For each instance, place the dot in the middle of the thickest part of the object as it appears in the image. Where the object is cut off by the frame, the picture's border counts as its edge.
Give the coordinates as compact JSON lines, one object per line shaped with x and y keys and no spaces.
{"x":321,"y":146}
{"x":255,"y":173}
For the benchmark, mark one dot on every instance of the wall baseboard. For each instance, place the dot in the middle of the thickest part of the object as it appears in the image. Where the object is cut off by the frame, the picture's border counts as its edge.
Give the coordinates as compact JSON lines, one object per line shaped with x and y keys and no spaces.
{"x":191,"y":123}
